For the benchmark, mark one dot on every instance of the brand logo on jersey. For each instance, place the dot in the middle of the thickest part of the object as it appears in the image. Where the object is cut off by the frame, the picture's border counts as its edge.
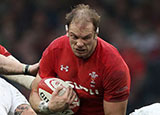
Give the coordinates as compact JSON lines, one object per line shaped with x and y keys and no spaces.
{"x":64,"y":68}
{"x":93,"y":77}
{"x":80,"y":87}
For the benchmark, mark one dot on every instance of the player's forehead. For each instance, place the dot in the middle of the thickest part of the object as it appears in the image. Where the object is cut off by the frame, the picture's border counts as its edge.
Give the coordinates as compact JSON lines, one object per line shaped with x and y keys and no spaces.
{"x":81,"y":27}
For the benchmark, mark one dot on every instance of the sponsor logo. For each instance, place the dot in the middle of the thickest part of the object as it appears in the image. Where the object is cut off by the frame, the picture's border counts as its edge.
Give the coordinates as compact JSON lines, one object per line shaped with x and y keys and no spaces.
{"x":122,"y":89}
{"x":64,"y":68}
{"x":88,"y":90}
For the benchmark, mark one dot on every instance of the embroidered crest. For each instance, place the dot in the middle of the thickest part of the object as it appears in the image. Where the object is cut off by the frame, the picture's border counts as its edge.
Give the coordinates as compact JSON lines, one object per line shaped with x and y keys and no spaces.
{"x":93,"y":77}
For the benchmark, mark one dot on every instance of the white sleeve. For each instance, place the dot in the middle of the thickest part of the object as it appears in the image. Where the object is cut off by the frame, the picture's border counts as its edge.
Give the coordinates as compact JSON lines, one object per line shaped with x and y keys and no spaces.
{"x":17,"y":99}
{"x":10,"y":98}
{"x":5,"y":97}
{"x":153,"y":109}
{"x":3,"y":111}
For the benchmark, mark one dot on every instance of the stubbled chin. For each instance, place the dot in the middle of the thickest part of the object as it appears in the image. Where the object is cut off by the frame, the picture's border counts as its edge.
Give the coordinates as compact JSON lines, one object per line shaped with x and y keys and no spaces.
{"x":79,"y":55}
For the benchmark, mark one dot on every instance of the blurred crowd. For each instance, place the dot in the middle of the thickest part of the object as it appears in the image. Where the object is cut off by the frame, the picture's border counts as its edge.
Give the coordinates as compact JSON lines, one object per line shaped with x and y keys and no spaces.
{"x":132,"y":26}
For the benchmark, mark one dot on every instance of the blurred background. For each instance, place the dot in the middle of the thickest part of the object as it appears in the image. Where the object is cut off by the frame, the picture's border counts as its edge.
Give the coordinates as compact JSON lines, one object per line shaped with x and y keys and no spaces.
{"x":133,"y":26}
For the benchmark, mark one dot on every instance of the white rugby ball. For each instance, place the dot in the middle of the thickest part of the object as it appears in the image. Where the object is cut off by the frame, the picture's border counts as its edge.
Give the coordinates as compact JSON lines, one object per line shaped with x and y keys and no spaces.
{"x":48,"y":85}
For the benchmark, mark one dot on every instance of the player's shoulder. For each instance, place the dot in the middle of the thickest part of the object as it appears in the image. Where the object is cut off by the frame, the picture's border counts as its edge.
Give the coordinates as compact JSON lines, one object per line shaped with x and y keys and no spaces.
{"x":109,"y":56}
{"x":107,"y":50}
{"x":58,"y":43}
{"x":4,"y":51}
{"x":1,"y":47}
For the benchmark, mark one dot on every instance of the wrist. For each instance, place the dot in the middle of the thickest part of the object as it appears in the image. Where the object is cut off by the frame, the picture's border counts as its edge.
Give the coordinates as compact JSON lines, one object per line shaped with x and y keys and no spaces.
{"x":43,"y":107}
{"x":26,"y":69}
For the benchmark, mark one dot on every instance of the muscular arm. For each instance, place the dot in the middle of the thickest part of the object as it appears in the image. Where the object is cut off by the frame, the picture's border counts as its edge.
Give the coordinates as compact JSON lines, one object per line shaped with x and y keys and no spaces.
{"x":8,"y":66}
{"x":115,"y":108}
{"x":24,"y":80}
{"x":34,"y":98}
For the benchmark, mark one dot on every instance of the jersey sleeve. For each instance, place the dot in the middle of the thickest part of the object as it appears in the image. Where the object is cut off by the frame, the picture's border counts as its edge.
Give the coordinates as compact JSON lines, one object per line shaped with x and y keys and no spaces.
{"x":116,"y":83}
{"x":3,"y":51}
{"x":47,"y":68}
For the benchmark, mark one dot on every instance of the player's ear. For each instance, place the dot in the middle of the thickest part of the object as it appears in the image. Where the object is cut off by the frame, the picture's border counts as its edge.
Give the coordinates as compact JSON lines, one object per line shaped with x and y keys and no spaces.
{"x":66,"y":28}
{"x":97,"y":31}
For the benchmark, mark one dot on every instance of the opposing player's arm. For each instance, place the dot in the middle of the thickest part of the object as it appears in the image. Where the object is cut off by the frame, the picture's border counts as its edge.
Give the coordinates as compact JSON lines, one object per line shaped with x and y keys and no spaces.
{"x":24,"y":109}
{"x":8,"y":66}
{"x":23,"y":80}
{"x":31,"y":69}
{"x":115,"y":108}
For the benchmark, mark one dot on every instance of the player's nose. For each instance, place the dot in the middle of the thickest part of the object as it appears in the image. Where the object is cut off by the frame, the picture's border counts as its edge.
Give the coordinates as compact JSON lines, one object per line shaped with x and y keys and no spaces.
{"x":80,"y":43}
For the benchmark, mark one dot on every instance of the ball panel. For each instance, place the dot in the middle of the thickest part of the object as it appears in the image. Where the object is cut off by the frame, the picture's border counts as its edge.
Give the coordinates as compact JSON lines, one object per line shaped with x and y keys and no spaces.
{"x":44,"y":86}
{"x":53,"y":83}
{"x":44,"y":95}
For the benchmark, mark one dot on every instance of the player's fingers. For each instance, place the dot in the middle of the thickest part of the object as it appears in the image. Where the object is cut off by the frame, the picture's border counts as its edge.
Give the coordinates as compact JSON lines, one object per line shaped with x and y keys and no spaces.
{"x":72,"y":106}
{"x":72,"y":98}
{"x":56,"y":92}
{"x":67,"y":92}
{"x":70,"y":93}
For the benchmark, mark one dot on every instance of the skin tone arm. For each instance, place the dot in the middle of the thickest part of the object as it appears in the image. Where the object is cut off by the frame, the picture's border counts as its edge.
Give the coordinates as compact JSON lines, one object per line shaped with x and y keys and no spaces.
{"x":10,"y":65}
{"x":33,"y":69}
{"x":24,"y":109}
{"x":34,"y":98}
{"x":56,"y":103}
{"x":115,"y":108}
{"x":24,"y":80}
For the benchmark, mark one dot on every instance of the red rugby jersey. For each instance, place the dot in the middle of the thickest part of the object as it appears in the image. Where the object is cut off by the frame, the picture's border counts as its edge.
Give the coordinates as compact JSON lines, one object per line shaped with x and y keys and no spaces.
{"x":3,"y":51}
{"x":103,"y":76}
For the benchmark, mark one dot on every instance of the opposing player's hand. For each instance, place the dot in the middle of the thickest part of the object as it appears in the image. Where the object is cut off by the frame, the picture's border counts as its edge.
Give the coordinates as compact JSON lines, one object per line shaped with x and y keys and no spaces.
{"x":33,"y":69}
{"x":59,"y":103}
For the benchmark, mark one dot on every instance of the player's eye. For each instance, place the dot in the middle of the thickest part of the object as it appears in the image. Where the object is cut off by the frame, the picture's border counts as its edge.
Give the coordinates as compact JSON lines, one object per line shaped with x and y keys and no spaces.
{"x":73,"y":36}
{"x":87,"y":37}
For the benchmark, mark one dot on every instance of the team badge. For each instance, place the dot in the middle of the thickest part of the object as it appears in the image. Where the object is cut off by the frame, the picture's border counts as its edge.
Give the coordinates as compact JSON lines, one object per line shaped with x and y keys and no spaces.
{"x":93,"y":77}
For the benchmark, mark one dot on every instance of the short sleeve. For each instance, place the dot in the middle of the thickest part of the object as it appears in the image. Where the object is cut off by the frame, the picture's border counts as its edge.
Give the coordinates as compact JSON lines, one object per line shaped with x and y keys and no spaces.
{"x":3,"y":51}
{"x":116,"y":83}
{"x":17,"y":99}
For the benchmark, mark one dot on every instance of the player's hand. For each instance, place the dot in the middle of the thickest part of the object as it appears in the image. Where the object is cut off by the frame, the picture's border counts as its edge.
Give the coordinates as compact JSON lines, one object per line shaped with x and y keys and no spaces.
{"x":33,"y":69}
{"x":59,"y":103}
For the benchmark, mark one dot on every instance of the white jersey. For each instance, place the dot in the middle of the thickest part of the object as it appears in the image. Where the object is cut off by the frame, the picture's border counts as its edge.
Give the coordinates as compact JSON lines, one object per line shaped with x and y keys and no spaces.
{"x":153,"y":109}
{"x":10,"y":98}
